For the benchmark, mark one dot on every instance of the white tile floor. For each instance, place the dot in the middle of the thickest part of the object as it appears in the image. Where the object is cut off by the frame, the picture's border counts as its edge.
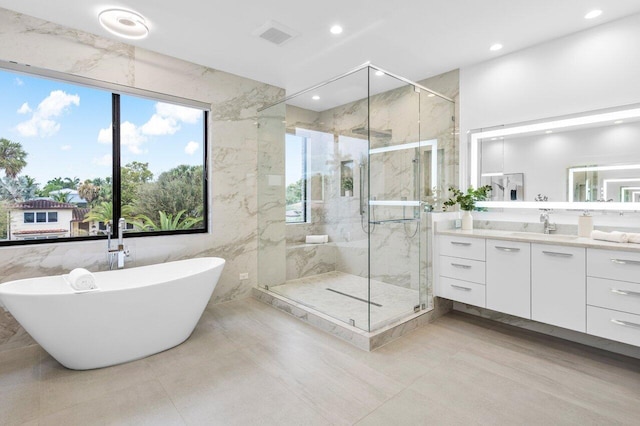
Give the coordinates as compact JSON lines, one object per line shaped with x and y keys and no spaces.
{"x":250,"y":364}
{"x":397,"y":302}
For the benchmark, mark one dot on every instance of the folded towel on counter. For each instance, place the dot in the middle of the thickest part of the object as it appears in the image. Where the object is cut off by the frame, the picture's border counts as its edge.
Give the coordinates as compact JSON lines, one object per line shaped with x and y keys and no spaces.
{"x":317,"y":239}
{"x":614,"y":237}
{"x":634,"y":237}
{"x":82,"y":280}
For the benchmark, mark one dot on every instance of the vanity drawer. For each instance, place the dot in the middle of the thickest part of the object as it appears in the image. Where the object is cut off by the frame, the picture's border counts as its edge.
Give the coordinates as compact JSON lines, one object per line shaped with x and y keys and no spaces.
{"x":462,"y":291}
{"x":468,"y":248}
{"x":462,"y":269}
{"x":614,"y":325}
{"x":614,"y":264}
{"x":617,"y":295}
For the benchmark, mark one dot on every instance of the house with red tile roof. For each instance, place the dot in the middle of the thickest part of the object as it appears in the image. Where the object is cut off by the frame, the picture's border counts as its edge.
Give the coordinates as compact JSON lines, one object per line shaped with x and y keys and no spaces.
{"x":40,"y":219}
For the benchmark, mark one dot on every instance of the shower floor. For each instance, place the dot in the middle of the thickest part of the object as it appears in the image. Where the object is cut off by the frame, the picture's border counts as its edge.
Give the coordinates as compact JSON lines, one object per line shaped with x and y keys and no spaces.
{"x":395,"y":302}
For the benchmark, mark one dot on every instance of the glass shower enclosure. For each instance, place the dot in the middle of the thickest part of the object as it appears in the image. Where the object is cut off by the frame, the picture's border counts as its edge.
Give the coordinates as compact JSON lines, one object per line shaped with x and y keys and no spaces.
{"x":348,"y":172}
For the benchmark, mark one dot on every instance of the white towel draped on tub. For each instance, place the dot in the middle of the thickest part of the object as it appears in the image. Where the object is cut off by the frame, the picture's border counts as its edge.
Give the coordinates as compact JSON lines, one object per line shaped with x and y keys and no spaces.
{"x":82,"y":280}
{"x":614,"y":237}
{"x":634,"y":237}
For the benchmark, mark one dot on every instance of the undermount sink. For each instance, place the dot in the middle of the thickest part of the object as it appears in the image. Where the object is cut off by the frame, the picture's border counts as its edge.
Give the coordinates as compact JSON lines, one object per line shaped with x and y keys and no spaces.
{"x":557,"y":237}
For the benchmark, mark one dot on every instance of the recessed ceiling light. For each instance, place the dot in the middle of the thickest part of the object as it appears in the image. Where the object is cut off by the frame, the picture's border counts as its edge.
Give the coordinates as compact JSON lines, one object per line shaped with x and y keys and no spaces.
{"x":336,"y":29}
{"x":124,"y":23}
{"x":379,"y":73}
{"x":593,"y":14}
{"x":315,"y":97}
{"x":618,"y":122}
{"x":549,"y":131}
{"x":495,"y":47}
{"x":430,"y":95}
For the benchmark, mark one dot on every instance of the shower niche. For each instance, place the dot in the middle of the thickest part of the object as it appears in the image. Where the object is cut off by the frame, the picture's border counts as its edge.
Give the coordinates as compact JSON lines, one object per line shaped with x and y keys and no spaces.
{"x":346,"y":178}
{"x":376,"y":140}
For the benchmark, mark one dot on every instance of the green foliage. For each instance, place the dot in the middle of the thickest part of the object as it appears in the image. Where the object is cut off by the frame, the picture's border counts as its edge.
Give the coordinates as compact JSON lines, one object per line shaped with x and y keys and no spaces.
{"x":103,"y":212}
{"x":12,"y":157}
{"x":467,"y":200}
{"x":61,"y":197}
{"x":167,"y":222}
{"x":18,"y":189}
{"x":4,"y":220}
{"x":293,"y":193}
{"x":132,"y":177}
{"x":57,"y":184}
{"x":88,"y":191}
{"x":176,"y":190}
{"x":347,"y":183}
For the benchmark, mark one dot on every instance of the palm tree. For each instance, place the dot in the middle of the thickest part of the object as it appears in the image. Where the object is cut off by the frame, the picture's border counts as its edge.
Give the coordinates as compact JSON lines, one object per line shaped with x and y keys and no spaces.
{"x":88,"y":191}
{"x":103,"y":212}
{"x":168,"y":222}
{"x":12,"y":157}
{"x":17,"y":189}
{"x":61,"y":197}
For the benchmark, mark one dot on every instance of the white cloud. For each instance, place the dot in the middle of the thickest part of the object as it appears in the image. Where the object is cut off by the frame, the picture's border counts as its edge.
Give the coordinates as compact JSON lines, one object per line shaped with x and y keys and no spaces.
{"x":104,"y":135}
{"x":105,"y":160}
{"x":168,"y":117}
{"x":19,"y":81}
{"x":158,"y":126}
{"x":41,"y":122}
{"x":24,"y":109}
{"x":191,"y":147}
{"x":130,"y":137}
{"x":65,"y":147}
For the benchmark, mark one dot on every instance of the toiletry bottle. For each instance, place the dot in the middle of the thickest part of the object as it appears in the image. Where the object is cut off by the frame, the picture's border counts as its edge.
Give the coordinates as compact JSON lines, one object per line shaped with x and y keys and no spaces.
{"x":585,"y":225}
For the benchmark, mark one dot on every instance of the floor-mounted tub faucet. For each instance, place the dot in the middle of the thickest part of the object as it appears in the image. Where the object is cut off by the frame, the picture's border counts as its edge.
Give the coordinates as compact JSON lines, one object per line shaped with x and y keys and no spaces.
{"x":115,"y":256}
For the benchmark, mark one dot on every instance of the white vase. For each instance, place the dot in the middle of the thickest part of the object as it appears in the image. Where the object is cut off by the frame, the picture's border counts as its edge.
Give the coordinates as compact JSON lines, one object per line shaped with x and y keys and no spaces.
{"x":347,"y":193}
{"x":467,"y":221}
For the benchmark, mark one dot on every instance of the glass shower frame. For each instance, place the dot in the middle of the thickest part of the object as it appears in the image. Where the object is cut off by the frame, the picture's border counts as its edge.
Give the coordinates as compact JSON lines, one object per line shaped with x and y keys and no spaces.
{"x":399,"y":254}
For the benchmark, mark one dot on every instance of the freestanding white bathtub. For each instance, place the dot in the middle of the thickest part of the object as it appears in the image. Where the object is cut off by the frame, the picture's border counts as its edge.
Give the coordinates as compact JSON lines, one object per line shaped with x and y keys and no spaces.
{"x":135,"y":313}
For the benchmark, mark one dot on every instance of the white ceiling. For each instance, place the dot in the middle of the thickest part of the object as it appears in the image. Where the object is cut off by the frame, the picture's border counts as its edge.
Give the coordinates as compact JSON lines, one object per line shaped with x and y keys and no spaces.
{"x":412,"y":38}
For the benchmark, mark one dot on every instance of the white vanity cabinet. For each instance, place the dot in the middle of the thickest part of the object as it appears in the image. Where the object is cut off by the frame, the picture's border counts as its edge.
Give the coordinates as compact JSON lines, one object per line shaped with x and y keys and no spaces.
{"x":461,"y":266}
{"x":613,"y":295}
{"x":508,"y":279}
{"x":558,"y":286}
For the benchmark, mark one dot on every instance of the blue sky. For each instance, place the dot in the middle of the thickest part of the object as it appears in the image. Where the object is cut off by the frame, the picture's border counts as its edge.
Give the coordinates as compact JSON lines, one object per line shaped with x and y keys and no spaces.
{"x":65,"y":129}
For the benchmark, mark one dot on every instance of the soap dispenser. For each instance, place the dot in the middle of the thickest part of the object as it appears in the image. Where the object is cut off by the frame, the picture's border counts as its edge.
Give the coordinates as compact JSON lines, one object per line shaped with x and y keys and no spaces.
{"x":585,"y":225}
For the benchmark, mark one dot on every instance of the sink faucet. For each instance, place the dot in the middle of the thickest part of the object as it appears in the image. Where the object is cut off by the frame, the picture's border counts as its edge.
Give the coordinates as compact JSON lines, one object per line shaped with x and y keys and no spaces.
{"x":548,"y":227}
{"x":115,"y":256}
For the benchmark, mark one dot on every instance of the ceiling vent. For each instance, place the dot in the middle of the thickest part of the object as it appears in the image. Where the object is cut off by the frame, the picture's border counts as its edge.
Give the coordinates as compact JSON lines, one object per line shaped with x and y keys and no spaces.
{"x":275,"y":33}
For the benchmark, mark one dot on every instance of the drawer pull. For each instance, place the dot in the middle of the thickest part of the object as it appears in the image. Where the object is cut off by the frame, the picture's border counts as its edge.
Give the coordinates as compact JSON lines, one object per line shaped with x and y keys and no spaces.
{"x":557,"y":254}
{"x":507,"y":248}
{"x":626,"y":262}
{"x":625,"y":292}
{"x":625,"y":323}
{"x":458,"y":243}
{"x":459,"y":265}
{"x":459,"y":287}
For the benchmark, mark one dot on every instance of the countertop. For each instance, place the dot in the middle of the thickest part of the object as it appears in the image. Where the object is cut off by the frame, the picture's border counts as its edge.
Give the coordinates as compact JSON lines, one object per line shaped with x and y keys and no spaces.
{"x":533,"y":237}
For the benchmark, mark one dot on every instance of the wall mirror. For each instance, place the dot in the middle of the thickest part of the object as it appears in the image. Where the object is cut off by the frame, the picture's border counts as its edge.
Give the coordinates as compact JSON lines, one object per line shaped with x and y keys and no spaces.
{"x":587,"y":161}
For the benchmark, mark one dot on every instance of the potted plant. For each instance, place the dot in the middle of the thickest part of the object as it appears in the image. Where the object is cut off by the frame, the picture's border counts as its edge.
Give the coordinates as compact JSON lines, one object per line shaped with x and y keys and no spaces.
{"x":347,"y":186}
{"x":467,"y":202}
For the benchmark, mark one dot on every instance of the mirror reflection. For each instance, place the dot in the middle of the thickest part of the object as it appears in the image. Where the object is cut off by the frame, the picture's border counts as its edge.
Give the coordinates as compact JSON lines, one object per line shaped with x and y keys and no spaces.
{"x":592,"y":157}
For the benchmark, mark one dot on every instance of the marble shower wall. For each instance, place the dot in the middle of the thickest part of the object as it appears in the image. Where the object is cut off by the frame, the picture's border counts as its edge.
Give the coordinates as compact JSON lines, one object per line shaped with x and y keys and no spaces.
{"x":232,"y":153}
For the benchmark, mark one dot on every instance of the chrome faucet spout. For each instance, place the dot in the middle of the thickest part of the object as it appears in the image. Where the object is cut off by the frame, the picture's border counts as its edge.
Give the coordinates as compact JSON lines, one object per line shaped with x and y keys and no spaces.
{"x":548,"y":227}
{"x":121,"y":225}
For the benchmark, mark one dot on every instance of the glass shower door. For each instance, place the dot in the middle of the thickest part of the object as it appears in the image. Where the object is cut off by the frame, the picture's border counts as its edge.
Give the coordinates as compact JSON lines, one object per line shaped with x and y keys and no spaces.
{"x":394,"y":199}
